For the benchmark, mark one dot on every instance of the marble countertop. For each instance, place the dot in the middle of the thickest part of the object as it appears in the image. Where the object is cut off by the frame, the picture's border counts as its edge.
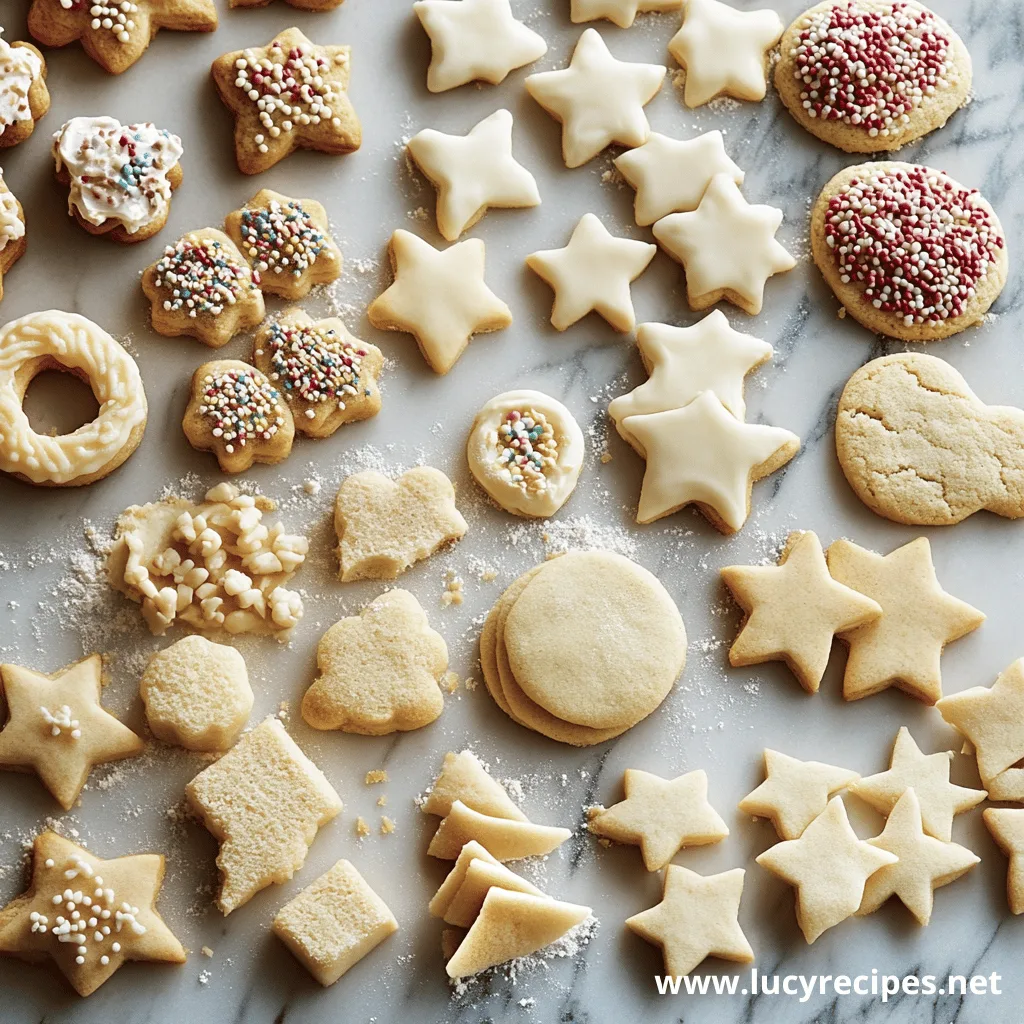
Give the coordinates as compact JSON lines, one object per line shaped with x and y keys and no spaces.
{"x":54,"y":608}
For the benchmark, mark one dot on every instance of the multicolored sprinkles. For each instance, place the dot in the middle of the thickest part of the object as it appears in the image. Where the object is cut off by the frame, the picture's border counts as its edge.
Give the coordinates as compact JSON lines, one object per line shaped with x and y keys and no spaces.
{"x":527,"y":448}
{"x":281,"y":239}
{"x":201,"y":277}
{"x":242,"y":405}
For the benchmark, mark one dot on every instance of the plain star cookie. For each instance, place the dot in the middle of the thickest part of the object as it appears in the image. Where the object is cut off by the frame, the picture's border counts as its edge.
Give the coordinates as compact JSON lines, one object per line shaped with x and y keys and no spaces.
{"x":726,"y":246}
{"x":472,"y":173}
{"x":598,"y":99}
{"x":619,"y":12}
{"x":56,"y":728}
{"x":24,"y":98}
{"x":724,"y":51}
{"x":475,"y":41}
{"x":593,"y":273}
{"x":12,"y":230}
{"x":793,"y":610}
{"x":1007,"y":828}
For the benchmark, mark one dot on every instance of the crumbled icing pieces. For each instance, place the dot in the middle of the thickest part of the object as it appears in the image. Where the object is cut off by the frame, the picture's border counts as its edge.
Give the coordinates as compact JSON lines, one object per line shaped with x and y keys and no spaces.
{"x":1007,"y":828}
{"x":504,"y":838}
{"x":619,"y":12}
{"x":12,"y":230}
{"x":464,"y":778}
{"x":264,"y":801}
{"x":24,"y":98}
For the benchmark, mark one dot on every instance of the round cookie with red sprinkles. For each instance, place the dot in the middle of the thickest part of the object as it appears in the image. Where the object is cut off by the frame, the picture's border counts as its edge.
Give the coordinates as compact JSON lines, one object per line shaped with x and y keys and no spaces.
{"x":910,"y":252}
{"x":869,"y":76}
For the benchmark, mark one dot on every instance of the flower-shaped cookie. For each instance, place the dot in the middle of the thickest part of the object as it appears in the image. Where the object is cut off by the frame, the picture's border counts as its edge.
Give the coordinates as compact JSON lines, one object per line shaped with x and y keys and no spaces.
{"x":24,"y":97}
{"x":12,"y":231}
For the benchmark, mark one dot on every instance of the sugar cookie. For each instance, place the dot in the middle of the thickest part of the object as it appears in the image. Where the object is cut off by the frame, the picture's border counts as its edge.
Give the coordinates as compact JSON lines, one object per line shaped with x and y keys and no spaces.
{"x":619,"y":12}
{"x":1007,"y":828}
{"x":299,"y":5}
{"x":464,"y":778}
{"x":24,"y":98}
{"x":471,"y":851}
{"x":479,"y":878}
{"x":504,"y":838}
{"x":12,"y":229}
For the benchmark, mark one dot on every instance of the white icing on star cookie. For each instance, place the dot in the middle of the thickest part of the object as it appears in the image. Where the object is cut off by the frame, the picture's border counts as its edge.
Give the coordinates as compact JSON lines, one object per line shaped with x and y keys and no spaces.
{"x":619,"y":12}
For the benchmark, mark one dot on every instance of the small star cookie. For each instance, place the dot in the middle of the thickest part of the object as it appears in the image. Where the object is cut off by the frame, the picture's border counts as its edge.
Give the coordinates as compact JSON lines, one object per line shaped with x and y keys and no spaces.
{"x":593,"y":273}
{"x":438,"y":296}
{"x":56,"y":727}
{"x":793,"y":610}
{"x":598,"y":99}
{"x":724,"y":51}
{"x":619,"y":12}
{"x":24,"y":98}
{"x":473,"y":172}
{"x":12,"y":230}
{"x":903,"y":647}
{"x":475,"y":41}
{"x":726,"y":246}
{"x":1007,"y":827}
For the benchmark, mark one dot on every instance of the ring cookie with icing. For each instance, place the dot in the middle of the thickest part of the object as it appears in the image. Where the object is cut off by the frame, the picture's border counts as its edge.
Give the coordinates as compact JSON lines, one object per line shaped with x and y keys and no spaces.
{"x":120,"y":177}
{"x":910,"y":252}
{"x":54,"y":340}
{"x":525,"y":450}
{"x":24,"y":98}
{"x":870,"y":76}
{"x":12,"y":230}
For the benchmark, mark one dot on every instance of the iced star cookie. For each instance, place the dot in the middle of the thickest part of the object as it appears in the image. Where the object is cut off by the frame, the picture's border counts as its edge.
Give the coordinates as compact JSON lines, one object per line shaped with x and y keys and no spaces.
{"x":326,"y":375}
{"x":236,"y":413}
{"x":619,"y":12}
{"x":12,"y":230}
{"x":202,"y":287}
{"x":119,"y":177}
{"x":290,"y":94}
{"x":24,"y":98}
{"x":941,"y":277}
{"x":287,"y":242}
{"x":116,"y":33}
{"x":525,"y":450}
{"x":872,"y":75}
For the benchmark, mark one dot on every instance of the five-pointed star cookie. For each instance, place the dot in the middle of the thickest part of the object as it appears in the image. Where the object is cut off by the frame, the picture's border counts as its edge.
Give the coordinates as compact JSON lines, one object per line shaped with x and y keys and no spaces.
{"x":724,"y":51}
{"x":88,"y":915}
{"x":727,"y":247}
{"x":1007,"y":827}
{"x":794,"y":792}
{"x":473,"y":172}
{"x":924,"y":864}
{"x":793,"y":610}
{"x":475,"y":41}
{"x":438,"y":296}
{"x":828,"y":866}
{"x":290,"y":94}
{"x":661,"y":816}
{"x":701,"y":454}
{"x":593,"y":273}
{"x":903,"y":647}
{"x":57,"y":729}
{"x":928,"y":774}
{"x":671,"y":176}
{"x":696,"y":918}
{"x":598,"y":99}
{"x":619,"y":12}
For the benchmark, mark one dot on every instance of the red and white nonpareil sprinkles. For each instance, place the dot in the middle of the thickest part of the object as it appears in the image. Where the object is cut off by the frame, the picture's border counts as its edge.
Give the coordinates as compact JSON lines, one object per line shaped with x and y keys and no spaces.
{"x":201,"y":277}
{"x":281,"y":239}
{"x":870,"y":68}
{"x":917,"y":242}
{"x":113,"y":16}
{"x":242,"y":406}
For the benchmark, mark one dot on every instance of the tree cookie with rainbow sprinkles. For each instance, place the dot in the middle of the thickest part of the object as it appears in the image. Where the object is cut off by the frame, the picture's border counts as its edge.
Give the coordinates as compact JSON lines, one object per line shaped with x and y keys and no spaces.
{"x":290,"y":94}
{"x":910,"y":252}
{"x":24,"y":98}
{"x":872,"y":75}
{"x":12,"y":230}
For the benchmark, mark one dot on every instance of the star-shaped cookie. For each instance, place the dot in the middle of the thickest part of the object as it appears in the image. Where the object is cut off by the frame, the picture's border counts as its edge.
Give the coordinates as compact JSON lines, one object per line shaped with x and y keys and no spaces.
{"x":473,"y":172}
{"x":88,"y":915}
{"x":696,"y":918}
{"x":290,"y":94}
{"x":928,"y":774}
{"x":438,"y":296}
{"x":593,"y":273}
{"x":661,"y":816}
{"x":57,"y":729}
{"x":793,"y":610}
{"x":828,"y":866}
{"x":619,"y":12}
{"x":1007,"y":827}
{"x":475,"y":41}
{"x":701,"y":454}
{"x":671,"y":176}
{"x":598,"y":99}
{"x":903,"y":647}
{"x":726,"y":246}
{"x":794,"y":792}
{"x":724,"y":51}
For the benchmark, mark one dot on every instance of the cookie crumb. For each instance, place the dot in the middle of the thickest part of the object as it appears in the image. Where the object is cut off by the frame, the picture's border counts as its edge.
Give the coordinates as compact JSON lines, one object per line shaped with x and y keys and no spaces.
{"x":387,"y":826}
{"x":606,"y":457}
{"x":362,"y":829}
{"x":450,"y":682}
{"x":453,"y":589}
{"x":376,"y":775}
{"x":204,"y":977}
{"x":311,"y":487}
{"x":842,"y":313}
{"x":382,"y":801}
{"x":206,"y":951}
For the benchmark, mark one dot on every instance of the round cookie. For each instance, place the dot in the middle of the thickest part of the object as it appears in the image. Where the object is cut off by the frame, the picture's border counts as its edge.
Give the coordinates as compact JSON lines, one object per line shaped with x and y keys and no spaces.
{"x":489,"y":661}
{"x":525,"y":450}
{"x":946,"y":221}
{"x":832,"y":96}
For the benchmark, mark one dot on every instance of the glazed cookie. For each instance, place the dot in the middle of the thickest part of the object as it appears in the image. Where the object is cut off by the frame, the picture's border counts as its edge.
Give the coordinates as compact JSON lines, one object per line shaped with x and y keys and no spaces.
{"x":54,"y":340}
{"x":12,"y":230}
{"x":24,"y":98}
{"x":944,"y":274}
{"x":120,"y":177}
{"x":872,"y":75}
{"x":236,"y":413}
{"x":326,"y":375}
{"x":203,"y":288}
{"x":619,"y":12}
{"x":525,"y":450}
{"x":271,"y":122}
{"x":287,"y":242}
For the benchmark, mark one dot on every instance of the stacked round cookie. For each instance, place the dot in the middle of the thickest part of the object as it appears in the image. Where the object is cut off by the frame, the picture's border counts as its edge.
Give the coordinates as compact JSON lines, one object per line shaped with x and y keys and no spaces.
{"x":582,"y":647}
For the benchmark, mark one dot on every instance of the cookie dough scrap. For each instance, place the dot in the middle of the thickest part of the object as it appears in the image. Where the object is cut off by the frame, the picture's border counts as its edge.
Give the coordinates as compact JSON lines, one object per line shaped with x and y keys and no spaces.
{"x":476,"y":878}
{"x":1007,"y":828}
{"x":619,"y":12}
{"x":464,"y":778}
{"x":264,"y":802}
{"x":334,"y":922}
{"x":24,"y":98}
{"x":12,"y":225}
{"x":384,"y":526}
{"x":88,"y":915}
{"x":56,"y":728}
{"x":505,"y":838}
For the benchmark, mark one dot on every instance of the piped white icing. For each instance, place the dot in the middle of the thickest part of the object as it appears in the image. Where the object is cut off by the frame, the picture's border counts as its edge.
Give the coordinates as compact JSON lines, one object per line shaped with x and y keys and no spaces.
{"x":19,"y":68}
{"x":12,"y":227}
